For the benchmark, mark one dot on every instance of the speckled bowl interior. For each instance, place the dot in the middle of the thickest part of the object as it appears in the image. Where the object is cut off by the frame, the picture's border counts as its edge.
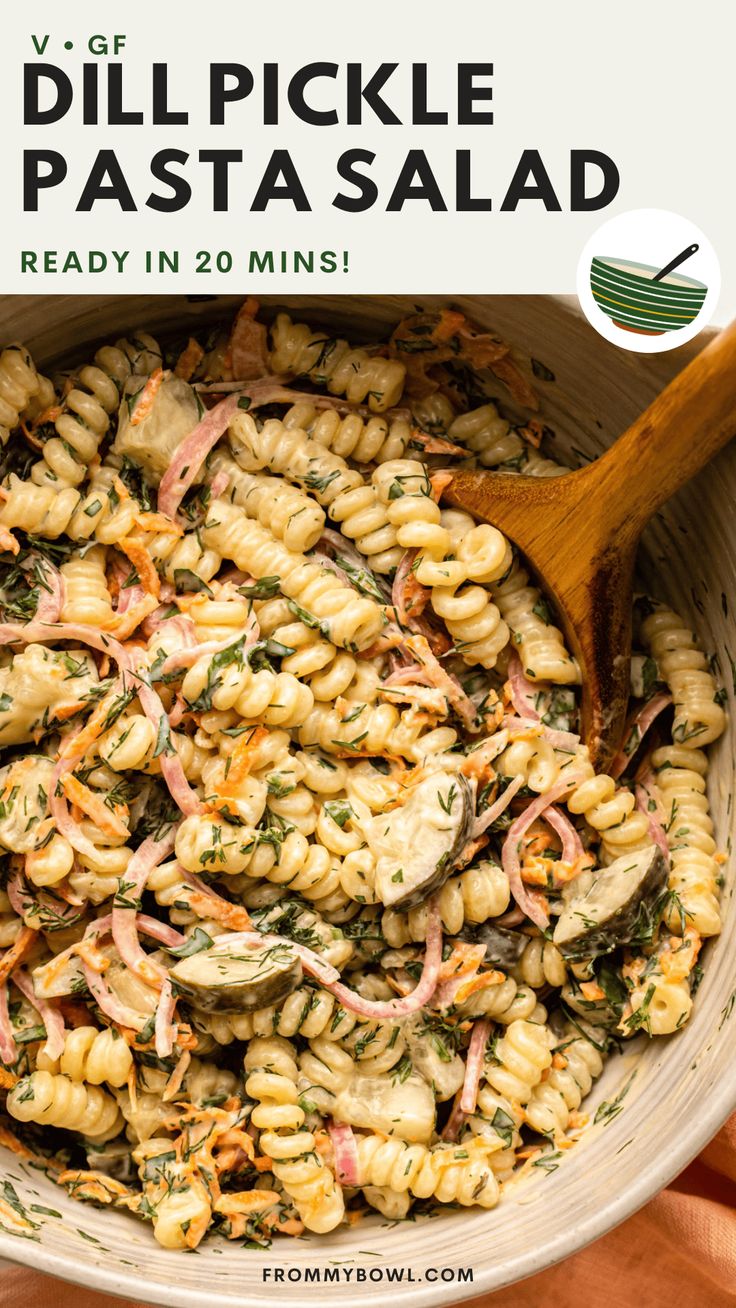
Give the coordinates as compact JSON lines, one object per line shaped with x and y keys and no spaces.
{"x":679,"y":1089}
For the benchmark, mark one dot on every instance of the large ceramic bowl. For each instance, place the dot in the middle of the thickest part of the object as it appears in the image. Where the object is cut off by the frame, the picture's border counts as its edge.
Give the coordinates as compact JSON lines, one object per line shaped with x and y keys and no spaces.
{"x":666,"y":1098}
{"x":628,"y":294}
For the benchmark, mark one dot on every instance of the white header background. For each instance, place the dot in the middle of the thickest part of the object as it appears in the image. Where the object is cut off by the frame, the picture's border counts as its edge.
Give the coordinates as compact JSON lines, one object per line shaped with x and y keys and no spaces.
{"x":648,"y":83}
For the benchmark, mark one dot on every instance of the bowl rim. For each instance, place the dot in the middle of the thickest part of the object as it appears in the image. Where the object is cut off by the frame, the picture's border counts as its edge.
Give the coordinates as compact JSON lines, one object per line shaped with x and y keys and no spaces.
{"x":719,"y":1105}
{"x":608,"y":261}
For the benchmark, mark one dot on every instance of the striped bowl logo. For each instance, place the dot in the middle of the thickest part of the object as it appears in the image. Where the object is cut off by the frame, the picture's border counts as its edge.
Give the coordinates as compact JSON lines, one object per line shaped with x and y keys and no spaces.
{"x":626,"y":292}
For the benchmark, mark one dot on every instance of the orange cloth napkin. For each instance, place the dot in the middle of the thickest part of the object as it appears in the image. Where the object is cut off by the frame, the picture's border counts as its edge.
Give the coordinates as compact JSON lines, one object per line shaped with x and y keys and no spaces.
{"x":679,"y":1251}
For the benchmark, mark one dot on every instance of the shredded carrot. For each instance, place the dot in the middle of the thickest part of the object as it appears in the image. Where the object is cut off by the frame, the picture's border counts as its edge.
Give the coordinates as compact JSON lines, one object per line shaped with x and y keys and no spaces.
{"x":11,"y":1142}
{"x":230,"y":915}
{"x":108,"y":820}
{"x":439,"y":481}
{"x":469,"y":851}
{"x":559,"y":1061}
{"x":7,"y":1079}
{"x":262,"y":1163}
{"x":416,"y":597}
{"x":481,"y":981}
{"x":592,"y":991}
{"x":188,"y":359}
{"x":65,"y":711}
{"x":92,"y":956}
{"x":124,"y":624}
{"x":173,"y":1085}
{"x":22,"y":944}
{"x":8,"y":541}
{"x":246,"y":1201}
{"x":532,"y":433}
{"x":53,"y":412}
{"x":96,"y":1186}
{"x":149,"y":521}
{"x":448,"y":325}
{"x":76,"y":746}
{"x":136,"y":551}
{"x":382,"y":644}
{"x":463,"y":959}
{"x":146,"y":397}
{"x":537,"y":871}
{"x":241,"y":759}
{"x":434,"y":444}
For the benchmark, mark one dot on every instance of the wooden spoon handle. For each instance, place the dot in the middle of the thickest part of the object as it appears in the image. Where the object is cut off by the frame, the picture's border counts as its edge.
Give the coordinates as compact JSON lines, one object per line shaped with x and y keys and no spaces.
{"x":687,"y":424}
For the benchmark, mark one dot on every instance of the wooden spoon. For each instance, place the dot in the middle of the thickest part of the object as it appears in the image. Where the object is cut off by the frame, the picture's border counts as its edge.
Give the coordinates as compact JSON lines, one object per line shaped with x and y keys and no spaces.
{"x":579,"y":532}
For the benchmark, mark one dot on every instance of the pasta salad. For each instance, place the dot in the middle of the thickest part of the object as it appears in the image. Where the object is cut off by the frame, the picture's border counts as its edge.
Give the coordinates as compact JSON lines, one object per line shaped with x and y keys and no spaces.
{"x":311,"y":900}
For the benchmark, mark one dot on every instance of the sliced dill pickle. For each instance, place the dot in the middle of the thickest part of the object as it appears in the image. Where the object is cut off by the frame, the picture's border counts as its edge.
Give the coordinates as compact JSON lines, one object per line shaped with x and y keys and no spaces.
{"x":233,"y":979}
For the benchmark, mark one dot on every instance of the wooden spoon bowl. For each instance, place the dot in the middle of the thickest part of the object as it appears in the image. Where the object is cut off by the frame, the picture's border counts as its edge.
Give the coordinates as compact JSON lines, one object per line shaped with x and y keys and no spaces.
{"x":579,"y":532}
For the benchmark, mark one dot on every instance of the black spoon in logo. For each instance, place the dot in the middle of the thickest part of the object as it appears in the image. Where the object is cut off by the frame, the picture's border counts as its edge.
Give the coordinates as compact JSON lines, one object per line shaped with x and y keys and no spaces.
{"x":675,"y":263}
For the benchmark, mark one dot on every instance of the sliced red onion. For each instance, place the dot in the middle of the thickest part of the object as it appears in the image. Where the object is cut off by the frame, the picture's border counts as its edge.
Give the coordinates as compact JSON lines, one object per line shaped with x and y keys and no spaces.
{"x":499,"y":805}
{"x":329,"y":977}
{"x":12,"y":633}
{"x":514,"y":724}
{"x":179,"y":624}
{"x":184,"y":658}
{"x":65,"y":824}
{"x":51,"y":600}
{"x":398,"y":589}
{"x":176,"y":713}
{"x":47,"y":1011}
{"x":108,"y":1003}
{"x":172,"y":769}
{"x":567,"y":741}
{"x":510,"y":851}
{"x":444,"y":681}
{"x":572,"y":845}
{"x":219,"y":484}
{"x":325,"y":561}
{"x":325,"y":973}
{"x":346,"y":1152}
{"x":8,"y":1047}
{"x":23,"y":900}
{"x":343,"y":546}
{"x":637,"y":730}
{"x":164,"y":1031}
{"x":272,"y":390}
{"x":564,"y":740}
{"x":523,"y":692}
{"x":150,"y":926}
{"x":188,"y":458}
{"x":412,"y":673}
{"x":129,"y":597}
{"x":656,"y":830}
{"x":474,"y":1065}
{"x":18,"y":893}
{"x":124,"y":919}
{"x":452,"y":1126}
{"x":513,"y":918}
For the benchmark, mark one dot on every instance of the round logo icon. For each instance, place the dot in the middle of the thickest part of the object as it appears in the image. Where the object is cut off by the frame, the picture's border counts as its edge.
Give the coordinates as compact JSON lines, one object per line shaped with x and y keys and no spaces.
{"x":648,"y":280}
